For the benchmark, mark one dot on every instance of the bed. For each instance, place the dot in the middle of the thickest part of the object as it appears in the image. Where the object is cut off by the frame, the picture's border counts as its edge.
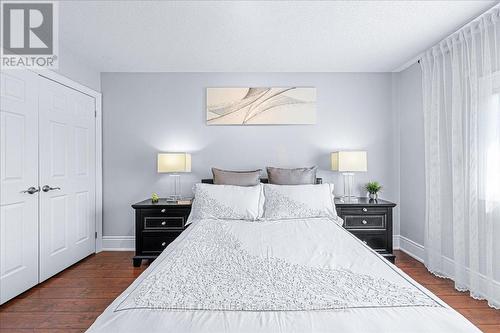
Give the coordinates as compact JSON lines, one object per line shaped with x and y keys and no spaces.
{"x":276,"y":274}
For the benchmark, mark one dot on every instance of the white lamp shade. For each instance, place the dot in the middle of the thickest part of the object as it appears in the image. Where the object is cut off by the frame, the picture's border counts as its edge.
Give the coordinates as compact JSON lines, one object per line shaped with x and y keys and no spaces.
{"x":174,"y":162}
{"x":349,"y":161}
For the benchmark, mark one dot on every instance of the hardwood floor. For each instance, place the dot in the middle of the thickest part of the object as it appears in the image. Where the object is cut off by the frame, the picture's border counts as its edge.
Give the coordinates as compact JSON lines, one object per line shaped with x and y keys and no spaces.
{"x":70,"y":301}
{"x":478,"y":312}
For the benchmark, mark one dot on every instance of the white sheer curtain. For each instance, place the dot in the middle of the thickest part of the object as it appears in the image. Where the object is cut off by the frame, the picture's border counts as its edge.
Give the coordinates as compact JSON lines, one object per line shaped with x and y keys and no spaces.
{"x":461,"y":89}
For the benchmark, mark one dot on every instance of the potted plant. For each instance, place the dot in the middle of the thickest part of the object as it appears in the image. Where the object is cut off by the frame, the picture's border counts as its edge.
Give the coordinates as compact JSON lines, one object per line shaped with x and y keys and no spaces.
{"x":373,"y":188}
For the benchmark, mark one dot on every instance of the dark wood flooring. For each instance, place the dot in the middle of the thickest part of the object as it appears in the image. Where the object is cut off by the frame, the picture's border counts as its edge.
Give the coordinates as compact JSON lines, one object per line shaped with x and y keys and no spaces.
{"x":70,"y":301}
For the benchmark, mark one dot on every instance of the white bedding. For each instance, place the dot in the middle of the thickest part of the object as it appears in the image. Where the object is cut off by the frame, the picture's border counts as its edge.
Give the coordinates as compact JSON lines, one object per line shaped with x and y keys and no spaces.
{"x":300,"y":275}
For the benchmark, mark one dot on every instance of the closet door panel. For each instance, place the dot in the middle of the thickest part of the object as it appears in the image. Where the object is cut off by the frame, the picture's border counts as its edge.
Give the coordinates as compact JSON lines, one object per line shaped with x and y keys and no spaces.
{"x":18,"y":173}
{"x":67,"y":206}
{"x":55,"y":205}
{"x":83,"y":177}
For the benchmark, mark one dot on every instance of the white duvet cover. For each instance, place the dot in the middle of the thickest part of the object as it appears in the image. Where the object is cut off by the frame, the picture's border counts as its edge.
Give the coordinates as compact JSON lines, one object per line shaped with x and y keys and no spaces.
{"x":299,"y":275}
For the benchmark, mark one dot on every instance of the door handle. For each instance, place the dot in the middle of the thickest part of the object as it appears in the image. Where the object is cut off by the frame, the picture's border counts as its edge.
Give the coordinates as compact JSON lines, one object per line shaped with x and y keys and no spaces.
{"x":47,"y":188}
{"x":31,"y":190}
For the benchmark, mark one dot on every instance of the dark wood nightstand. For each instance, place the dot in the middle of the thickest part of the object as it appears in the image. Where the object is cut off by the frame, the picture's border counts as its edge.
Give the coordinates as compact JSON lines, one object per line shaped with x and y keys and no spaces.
{"x":370,"y":221}
{"x":156,"y":226}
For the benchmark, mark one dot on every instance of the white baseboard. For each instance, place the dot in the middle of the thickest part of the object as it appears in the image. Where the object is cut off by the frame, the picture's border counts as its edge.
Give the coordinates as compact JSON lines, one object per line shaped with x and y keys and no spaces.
{"x":395,"y":242}
{"x":118,"y":243}
{"x":411,"y":248}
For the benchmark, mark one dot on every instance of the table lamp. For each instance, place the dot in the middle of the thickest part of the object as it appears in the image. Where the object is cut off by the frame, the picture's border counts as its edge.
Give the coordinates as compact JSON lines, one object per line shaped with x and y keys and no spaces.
{"x":173,"y":164}
{"x":349,"y":162}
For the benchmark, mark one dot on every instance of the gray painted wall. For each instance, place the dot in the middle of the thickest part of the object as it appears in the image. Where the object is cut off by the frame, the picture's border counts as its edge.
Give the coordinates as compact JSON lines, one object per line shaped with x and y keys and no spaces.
{"x":145,"y":113}
{"x":411,"y":154}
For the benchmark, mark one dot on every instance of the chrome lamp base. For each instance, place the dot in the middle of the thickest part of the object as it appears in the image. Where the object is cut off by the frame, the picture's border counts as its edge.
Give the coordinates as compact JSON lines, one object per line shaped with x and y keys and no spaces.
{"x":176,"y":196}
{"x":348,"y":195}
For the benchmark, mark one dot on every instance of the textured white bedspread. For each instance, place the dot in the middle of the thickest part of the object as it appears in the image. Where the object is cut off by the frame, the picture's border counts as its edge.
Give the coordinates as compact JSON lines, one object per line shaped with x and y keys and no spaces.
{"x":306,"y":275}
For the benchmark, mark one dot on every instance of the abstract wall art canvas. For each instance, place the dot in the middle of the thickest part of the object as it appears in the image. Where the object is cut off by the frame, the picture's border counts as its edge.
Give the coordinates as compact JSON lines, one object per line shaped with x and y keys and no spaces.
{"x":261,"y":106}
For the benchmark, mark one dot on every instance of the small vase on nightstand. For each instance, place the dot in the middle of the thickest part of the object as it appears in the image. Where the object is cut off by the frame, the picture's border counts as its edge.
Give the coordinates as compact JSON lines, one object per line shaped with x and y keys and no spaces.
{"x":373,"y":188}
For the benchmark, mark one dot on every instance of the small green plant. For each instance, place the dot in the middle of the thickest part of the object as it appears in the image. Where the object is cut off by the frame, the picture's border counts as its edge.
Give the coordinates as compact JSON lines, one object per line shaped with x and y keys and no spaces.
{"x":373,"y":187}
{"x":155,"y":198}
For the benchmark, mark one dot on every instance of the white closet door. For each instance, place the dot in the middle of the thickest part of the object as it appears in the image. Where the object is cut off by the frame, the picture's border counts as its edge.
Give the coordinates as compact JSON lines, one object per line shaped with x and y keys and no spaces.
{"x":67,"y":177}
{"x":18,"y":172}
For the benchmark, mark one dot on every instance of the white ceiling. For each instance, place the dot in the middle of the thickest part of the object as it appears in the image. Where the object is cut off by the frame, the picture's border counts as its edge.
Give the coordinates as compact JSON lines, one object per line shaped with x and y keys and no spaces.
{"x":258,"y":36}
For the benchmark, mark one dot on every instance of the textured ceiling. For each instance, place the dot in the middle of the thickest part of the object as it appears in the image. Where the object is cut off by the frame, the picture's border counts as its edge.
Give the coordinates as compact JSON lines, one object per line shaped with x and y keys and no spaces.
{"x":257,"y":36}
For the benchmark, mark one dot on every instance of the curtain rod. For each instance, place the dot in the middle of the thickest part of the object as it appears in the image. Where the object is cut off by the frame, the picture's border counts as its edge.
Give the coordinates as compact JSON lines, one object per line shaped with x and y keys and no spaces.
{"x":495,"y":9}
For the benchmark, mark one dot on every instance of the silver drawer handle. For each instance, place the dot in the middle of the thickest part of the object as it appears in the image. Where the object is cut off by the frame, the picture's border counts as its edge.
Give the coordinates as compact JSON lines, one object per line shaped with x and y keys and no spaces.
{"x":364,"y":222}
{"x":163,"y":210}
{"x":365,"y":210}
{"x":163,"y":223}
{"x":163,"y":244}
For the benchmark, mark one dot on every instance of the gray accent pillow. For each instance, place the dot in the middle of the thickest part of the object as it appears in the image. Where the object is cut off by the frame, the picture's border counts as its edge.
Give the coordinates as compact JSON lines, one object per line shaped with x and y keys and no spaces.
{"x":239,"y":178}
{"x":297,"y":176}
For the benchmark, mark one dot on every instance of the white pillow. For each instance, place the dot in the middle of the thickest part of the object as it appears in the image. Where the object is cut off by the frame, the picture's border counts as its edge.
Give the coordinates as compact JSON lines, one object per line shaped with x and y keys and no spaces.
{"x":298,"y":201}
{"x":226,"y":202}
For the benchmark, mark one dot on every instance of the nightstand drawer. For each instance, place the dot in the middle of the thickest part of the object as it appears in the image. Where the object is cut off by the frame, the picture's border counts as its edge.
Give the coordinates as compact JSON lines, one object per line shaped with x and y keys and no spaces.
{"x":364,"y":221}
{"x":159,"y":212}
{"x":375,"y":240}
{"x":364,"y":210}
{"x":168,"y":222}
{"x":156,"y":242}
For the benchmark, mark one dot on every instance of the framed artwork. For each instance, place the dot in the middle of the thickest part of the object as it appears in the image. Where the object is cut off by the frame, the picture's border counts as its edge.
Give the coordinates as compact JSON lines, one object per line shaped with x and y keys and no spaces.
{"x":261,"y":106}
